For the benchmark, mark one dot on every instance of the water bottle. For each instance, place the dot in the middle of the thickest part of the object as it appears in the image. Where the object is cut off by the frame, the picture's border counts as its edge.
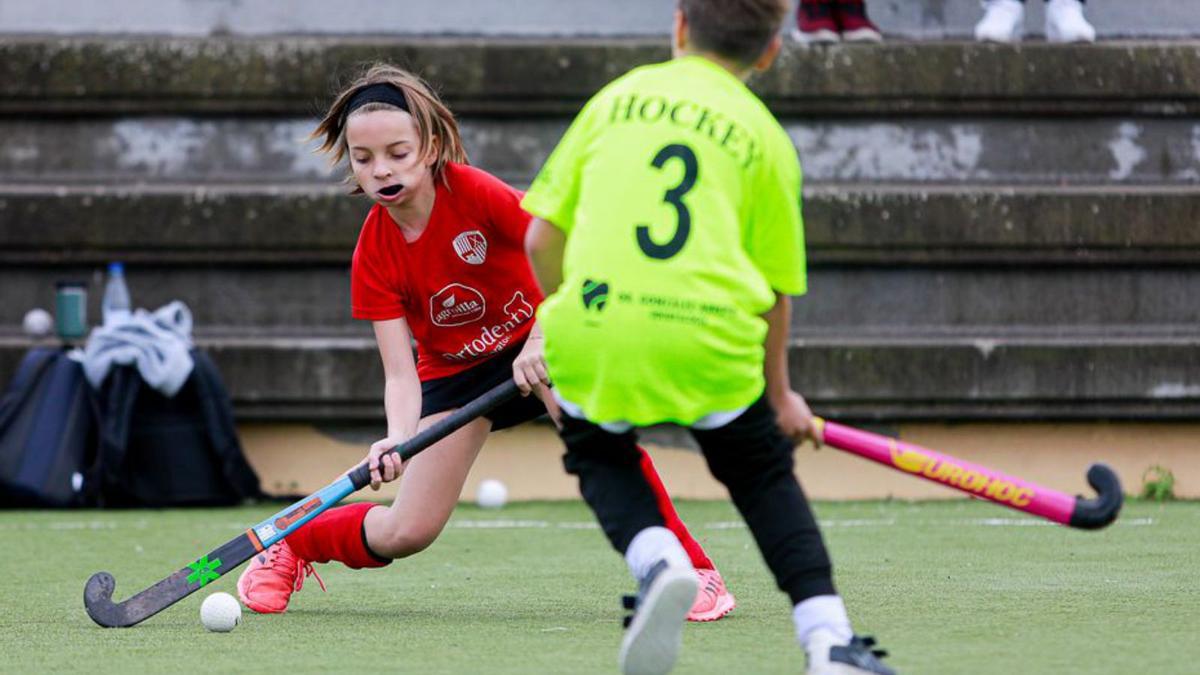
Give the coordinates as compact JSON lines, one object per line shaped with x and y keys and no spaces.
{"x":115,"y":307}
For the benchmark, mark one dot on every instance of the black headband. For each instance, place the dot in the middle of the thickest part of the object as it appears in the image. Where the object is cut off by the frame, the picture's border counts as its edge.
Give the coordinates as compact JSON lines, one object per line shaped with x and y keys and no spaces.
{"x":380,"y":92}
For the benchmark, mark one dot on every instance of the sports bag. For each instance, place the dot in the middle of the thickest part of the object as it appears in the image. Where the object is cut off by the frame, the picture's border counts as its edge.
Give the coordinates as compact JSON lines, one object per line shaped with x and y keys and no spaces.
{"x":178,"y":451}
{"x":48,"y":434}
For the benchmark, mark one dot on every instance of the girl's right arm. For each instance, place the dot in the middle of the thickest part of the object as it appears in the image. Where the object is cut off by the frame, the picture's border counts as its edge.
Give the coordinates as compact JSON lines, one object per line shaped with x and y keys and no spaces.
{"x":401,"y":398}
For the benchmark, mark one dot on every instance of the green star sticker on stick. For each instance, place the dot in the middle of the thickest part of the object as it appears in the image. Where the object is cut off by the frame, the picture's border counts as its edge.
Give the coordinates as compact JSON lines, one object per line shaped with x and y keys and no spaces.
{"x":204,"y":571}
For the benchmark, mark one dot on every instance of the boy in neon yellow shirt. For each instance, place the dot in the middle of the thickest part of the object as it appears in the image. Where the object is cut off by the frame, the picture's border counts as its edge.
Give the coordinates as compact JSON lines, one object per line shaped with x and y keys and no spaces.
{"x":667,"y":224}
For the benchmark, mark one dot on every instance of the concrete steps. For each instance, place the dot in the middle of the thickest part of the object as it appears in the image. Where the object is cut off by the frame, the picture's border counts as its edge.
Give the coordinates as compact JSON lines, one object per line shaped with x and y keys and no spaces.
{"x":1021,"y":150}
{"x":994,"y":232}
{"x":306,"y":377}
{"x":855,"y":300}
{"x":81,"y":76}
{"x":908,"y":257}
{"x":849,"y":222}
{"x":924,"y":19}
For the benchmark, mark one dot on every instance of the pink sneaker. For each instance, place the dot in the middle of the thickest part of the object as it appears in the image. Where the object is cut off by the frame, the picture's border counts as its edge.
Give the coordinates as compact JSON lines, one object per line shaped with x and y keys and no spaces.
{"x":713,"y":600}
{"x":272,"y":577}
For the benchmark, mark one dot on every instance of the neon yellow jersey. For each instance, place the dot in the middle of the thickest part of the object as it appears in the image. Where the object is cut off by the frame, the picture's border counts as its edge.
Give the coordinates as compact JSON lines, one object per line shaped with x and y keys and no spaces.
{"x":679,"y":194}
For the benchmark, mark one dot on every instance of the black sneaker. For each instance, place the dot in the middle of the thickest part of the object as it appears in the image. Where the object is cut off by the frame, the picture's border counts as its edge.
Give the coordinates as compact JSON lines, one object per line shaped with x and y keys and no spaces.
{"x":827,"y":655}
{"x":654,"y":632}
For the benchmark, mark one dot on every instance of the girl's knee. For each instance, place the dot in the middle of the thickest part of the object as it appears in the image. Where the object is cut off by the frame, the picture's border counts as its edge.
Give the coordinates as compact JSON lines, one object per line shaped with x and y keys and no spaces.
{"x":405,"y":539}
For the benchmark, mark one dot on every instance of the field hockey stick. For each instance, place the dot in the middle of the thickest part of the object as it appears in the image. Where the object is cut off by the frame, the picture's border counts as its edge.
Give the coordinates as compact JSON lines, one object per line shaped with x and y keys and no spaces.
{"x":97,"y":595}
{"x":984,"y":483}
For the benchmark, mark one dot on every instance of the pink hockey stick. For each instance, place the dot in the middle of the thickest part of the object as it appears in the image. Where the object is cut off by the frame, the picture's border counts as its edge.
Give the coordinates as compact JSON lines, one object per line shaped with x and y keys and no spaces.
{"x":985,"y":483}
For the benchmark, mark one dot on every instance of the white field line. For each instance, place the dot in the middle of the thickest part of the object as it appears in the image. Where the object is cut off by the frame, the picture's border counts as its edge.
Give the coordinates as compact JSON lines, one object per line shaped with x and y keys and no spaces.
{"x":852,"y":522}
{"x":827,"y":524}
{"x":76,"y":525}
{"x":1030,"y":522}
{"x":512,"y":524}
{"x":501,"y":524}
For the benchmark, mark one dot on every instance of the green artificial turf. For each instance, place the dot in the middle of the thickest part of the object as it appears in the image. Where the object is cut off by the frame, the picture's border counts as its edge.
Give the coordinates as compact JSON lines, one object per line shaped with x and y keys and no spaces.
{"x":947,"y":587}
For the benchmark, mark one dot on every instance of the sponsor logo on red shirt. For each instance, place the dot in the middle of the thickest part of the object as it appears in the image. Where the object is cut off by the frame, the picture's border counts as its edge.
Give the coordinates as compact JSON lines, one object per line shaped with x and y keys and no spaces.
{"x":456,"y":305}
{"x":495,"y":338}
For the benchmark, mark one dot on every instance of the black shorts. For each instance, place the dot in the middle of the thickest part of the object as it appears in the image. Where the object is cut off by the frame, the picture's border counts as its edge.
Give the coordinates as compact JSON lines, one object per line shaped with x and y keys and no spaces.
{"x":459,"y":389}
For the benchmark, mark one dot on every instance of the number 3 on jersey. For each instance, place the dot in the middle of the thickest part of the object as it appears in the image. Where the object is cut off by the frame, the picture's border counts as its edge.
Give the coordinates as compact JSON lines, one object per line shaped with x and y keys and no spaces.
{"x":674,"y":197}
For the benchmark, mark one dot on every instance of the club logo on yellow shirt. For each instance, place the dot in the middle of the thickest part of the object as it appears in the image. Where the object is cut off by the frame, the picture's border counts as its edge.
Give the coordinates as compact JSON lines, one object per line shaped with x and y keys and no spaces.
{"x":595,"y":294}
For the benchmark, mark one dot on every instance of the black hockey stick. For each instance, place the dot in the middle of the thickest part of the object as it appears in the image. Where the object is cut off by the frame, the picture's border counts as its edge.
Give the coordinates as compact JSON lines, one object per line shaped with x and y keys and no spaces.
{"x":97,"y":595}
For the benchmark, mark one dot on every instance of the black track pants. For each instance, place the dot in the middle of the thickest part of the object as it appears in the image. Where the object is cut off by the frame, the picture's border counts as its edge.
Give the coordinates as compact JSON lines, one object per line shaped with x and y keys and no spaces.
{"x":750,"y":456}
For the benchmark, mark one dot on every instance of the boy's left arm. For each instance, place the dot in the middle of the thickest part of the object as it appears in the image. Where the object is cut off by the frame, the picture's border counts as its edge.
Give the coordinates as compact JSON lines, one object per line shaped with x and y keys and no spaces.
{"x":791,"y":411}
{"x":774,"y":240}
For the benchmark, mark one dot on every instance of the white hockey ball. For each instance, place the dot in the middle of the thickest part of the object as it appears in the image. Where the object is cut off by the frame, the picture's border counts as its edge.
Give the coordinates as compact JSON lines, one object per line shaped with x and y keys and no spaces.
{"x":37,"y":322}
{"x":220,"y":612}
{"x":491,"y":494}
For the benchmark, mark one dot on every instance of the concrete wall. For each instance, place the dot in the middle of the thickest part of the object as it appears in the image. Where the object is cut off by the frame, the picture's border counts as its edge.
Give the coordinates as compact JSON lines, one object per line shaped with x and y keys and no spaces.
{"x":299,"y":459}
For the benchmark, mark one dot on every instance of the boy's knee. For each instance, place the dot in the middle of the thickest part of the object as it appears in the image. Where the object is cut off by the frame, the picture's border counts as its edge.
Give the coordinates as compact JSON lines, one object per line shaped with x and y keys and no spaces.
{"x":733,"y":465}
{"x":590,"y":445}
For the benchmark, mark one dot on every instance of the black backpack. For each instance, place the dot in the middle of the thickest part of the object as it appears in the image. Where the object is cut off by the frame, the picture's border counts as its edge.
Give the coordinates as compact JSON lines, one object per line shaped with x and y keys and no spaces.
{"x":48,"y":434}
{"x":178,"y":451}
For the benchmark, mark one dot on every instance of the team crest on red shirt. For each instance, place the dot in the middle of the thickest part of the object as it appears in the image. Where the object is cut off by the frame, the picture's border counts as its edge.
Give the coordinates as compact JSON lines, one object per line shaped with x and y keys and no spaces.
{"x":471,"y":247}
{"x":456,"y":305}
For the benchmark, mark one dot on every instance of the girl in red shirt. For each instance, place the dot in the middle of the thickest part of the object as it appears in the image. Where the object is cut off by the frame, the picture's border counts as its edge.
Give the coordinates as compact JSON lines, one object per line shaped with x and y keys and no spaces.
{"x":440,"y":260}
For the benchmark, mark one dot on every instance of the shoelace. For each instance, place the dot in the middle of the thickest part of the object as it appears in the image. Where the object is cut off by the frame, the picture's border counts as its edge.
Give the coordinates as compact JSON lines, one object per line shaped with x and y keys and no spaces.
{"x":867,"y":642}
{"x":302,"y":569}
{"x":628,"y":603}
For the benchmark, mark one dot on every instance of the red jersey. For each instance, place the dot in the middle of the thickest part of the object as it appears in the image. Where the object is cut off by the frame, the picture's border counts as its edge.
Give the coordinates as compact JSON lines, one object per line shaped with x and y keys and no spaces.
{"x":464,"y":286}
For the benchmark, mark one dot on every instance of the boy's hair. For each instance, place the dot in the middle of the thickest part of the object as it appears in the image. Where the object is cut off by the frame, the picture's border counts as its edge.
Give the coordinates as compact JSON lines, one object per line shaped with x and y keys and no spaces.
{"x":736,"y":29}
{"x":433,"y":119}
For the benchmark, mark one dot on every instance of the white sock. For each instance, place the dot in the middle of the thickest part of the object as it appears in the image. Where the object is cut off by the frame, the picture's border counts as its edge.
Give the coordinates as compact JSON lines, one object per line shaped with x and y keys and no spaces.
{"x":651,"y":545}
{"x":821,"y":611}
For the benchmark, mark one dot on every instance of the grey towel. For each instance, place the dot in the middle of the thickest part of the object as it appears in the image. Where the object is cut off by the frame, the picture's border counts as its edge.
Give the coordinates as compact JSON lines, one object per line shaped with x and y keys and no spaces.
{"x":158,"y":343}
